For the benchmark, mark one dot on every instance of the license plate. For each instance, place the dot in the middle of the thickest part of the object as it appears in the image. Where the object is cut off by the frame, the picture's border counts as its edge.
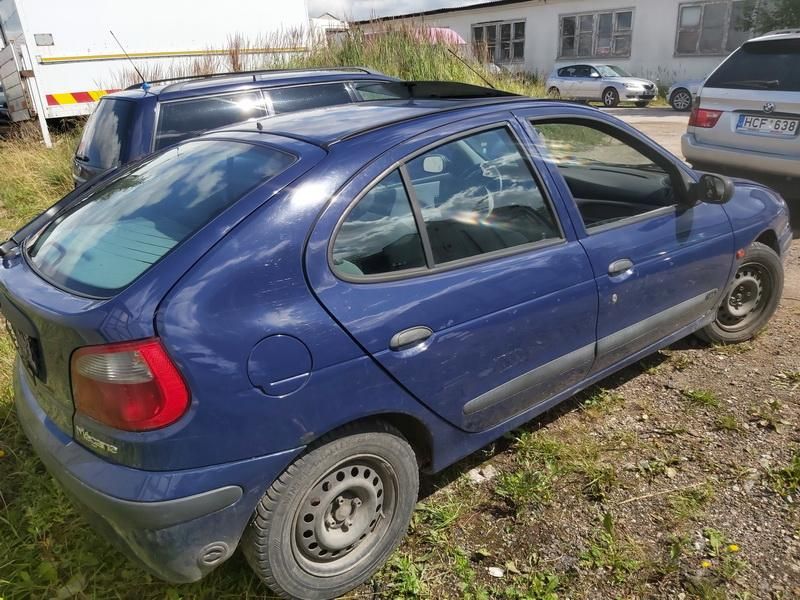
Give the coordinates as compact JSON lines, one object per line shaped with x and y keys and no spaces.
{"x":768,"y":125}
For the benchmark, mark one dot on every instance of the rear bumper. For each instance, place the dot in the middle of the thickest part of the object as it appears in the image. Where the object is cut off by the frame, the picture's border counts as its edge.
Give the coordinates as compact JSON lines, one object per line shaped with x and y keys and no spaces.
{"x":746,"y":161}
{"x":177,"y":524}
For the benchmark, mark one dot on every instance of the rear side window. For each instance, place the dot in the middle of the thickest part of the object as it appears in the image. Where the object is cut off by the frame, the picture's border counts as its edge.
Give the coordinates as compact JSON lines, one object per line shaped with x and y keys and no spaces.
{"x":382,"y":91}
{"x":184,"y":119}
{"x":101,"y":245}
{"x":306,"y":97}
{"x":770,"y":65}
{"x":379,"y":235}
{"x":105,"y":137}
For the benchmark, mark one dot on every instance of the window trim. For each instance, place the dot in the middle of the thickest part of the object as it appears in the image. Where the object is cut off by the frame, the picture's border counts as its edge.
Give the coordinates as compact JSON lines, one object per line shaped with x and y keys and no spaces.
{"x":595,"y":13}
{"x":726,"y":27}
{"x":675,"y":171}
{"x":497,"y":58}
{"x":433,"y":268}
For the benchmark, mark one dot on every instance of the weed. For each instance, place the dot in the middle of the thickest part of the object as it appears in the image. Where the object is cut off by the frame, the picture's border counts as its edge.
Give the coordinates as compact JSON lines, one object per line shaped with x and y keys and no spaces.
{"x":525,"y":487}
{"x":603,"y":401}
{"x":537,"y":586}
{"x":405,"y":577}
{"x":786,"y":481}
{"x":733,"y":349}
{"x":607,"y":551}
{"x":681,"y":361}
{"x":688,"y":504}
{"x":703,"y":398}
{"x":727,"y":422}
{"x":467,"y":579}
{"x":787,"y":379}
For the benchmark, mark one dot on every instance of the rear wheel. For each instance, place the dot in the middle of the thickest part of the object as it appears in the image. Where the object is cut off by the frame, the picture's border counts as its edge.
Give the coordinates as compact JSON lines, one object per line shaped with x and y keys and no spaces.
{"x":681,"y":100}
{"x":751,"y":300}
{"x":335,"y":515}
{"x":610,"y":98}
{"x":554,"y":93}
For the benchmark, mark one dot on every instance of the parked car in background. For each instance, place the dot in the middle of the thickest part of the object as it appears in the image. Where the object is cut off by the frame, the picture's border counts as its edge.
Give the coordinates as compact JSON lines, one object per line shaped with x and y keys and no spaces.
{"x":257,"y":337}
{"x":130,"y":124}
{"x":747,"y":117}
{"x":608,"y":84}
{"x":681,"y":94}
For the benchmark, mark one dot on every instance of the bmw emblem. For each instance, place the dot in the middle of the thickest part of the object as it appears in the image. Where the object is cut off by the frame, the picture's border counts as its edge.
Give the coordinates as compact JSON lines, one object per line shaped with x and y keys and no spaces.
{"x":769,"y":107}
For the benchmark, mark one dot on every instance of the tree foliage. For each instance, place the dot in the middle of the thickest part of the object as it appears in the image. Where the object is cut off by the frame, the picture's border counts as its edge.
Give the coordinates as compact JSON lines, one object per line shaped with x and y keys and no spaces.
{"x":769,"y":15}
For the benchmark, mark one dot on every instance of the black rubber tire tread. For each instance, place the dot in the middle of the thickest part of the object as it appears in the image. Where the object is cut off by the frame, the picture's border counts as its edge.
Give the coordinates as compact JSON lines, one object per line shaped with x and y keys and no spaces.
{"x":256,"y":543}
{"x":766,"y":256}
{"x":603,"y":97}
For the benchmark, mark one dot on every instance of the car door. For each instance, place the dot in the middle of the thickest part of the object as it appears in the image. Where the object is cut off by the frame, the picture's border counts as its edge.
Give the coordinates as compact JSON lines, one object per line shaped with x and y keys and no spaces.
{"x":660,"y":268}
{"x":446,"y":261}
{"x":583,"y":82}
{"x":564,"y":82}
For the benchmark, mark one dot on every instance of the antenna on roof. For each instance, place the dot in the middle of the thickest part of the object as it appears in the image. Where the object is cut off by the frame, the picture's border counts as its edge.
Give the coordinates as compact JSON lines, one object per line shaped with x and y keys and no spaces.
{"x":469,"y":66}
{"x":145,"y":85}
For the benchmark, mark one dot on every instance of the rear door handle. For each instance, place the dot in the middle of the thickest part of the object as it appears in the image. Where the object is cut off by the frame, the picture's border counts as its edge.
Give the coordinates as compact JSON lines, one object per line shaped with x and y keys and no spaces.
{"x":618,"y":267}
{"x":403,"y":340}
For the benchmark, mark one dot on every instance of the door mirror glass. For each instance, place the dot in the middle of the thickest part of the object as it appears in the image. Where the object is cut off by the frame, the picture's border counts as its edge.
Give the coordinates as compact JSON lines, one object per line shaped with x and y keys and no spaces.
{"x":713,"y":189}
{"x":595,"y":75}
{"x":433,"y":164}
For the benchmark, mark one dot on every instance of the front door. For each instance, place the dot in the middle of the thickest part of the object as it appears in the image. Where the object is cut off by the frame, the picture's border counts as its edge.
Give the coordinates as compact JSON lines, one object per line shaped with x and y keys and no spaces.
{"x":659,"y":267}
{"x":453,"y":271}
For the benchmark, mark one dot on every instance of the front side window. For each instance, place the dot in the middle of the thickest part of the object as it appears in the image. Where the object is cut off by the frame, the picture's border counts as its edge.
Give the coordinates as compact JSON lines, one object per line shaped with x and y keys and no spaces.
{"x":106,"y":241}
{"x":379,"y":235}
{"x":714,"y":27}
{"x":610,"y":180}
{"x":478,"y":195}
{"x":307,"y":97}
{"x":502,"y":42}
{"x":597,"y":34}
{"x":184,"y":119}
{"x":105,"y":138}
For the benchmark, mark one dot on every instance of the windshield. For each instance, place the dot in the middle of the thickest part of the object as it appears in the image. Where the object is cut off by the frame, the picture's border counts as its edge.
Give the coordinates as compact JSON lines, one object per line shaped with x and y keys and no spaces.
{"x":767,"y":65}
{"x":101,"y":245}
{"x":104,"y":141}
{"x":612,"y":71}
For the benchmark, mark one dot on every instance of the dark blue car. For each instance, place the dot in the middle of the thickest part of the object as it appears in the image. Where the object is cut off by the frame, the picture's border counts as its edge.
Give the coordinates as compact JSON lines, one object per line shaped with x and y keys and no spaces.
{"x":258,"y":337}
{"x":128,"y":125}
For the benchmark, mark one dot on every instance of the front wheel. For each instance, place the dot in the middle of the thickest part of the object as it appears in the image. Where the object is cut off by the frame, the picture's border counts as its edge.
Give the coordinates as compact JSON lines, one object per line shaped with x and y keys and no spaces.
{"x":751,"y":300}
{"x":681,"y":100}
{"x":554,"y":93}
{"x":335,"y":514}
{"x":610,"y":98}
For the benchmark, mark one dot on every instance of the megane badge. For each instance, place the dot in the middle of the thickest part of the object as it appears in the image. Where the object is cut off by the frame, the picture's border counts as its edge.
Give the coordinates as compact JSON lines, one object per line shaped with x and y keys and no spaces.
{"x":769,"y":107}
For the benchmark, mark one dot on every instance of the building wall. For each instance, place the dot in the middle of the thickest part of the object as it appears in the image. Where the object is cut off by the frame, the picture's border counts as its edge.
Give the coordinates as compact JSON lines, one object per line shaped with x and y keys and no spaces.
{"x":655,"y":24}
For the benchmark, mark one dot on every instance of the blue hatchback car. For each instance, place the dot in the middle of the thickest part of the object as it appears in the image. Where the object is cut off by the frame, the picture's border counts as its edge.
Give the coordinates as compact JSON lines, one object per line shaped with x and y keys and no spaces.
{"x":258,"y":337}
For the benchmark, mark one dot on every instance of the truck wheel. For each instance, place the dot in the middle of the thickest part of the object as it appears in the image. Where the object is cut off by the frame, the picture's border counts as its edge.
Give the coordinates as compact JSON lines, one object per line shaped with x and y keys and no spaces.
{"x":335,"y":514}
{"x":610,"y":98}
{"x":751,"y":300}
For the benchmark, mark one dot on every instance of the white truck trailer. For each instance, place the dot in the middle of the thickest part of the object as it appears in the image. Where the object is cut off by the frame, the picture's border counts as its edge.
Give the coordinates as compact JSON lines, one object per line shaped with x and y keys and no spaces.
{"x":58,"y":58}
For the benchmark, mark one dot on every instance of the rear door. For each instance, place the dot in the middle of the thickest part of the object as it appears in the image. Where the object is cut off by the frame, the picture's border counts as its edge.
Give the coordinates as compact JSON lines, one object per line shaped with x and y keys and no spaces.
{"x":447,"y":262}
{"x":659,"y":267}
{"x":758,"y":90}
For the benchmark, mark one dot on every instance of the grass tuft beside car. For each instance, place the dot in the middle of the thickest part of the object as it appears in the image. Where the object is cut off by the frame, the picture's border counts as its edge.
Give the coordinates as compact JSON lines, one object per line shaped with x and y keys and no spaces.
{"x":609,"y":84}
{"x":256,"y":338}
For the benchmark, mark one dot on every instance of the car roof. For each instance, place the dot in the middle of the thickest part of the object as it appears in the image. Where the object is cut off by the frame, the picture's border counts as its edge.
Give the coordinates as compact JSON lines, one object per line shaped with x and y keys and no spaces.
{"x":781,"y":34}
{"x":327,"y":126}
{"x":230,"y":82}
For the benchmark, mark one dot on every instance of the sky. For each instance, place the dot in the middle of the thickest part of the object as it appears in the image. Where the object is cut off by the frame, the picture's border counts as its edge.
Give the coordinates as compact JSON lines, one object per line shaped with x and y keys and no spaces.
{"x":364,"y":9}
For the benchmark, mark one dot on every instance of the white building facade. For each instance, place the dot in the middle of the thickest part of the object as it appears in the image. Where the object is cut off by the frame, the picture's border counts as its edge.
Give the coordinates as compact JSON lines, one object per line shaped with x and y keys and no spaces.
{"x":663,"y":40}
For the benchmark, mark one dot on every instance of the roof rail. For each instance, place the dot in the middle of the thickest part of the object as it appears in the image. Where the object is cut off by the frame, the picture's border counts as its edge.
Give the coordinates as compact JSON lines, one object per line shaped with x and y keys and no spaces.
{"x":440,"y":90}
{"x":179,"y":79}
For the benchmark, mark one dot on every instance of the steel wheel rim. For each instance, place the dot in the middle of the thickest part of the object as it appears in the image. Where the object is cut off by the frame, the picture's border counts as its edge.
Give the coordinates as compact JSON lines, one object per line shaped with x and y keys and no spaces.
{"x":747,"y":299}
{"x":682,"y":100}
{"x":344,"y":515}
{"x":609,"y":98}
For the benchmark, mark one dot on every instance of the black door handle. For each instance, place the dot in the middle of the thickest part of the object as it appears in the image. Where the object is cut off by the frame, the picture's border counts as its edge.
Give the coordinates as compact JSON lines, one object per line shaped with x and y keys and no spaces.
{"x":409,"y":337}
{"x":618,"y":267}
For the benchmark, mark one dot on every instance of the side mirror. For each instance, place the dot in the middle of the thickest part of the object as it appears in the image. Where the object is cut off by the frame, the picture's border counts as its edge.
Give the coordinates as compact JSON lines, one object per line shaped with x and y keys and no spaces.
{"x":433,"y":164}
{"x":595,"y":74}
{"x":712,"y":189}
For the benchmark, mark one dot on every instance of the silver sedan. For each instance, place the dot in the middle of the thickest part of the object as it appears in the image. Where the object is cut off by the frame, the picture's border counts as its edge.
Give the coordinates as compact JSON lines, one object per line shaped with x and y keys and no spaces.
{"x":682,"y":94}
{"x":608,"y":84}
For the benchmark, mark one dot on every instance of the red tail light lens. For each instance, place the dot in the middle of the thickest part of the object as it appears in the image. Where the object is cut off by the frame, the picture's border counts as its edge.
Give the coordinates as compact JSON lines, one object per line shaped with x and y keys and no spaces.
{"x":704,"y":118}
{"x":132,"y":386}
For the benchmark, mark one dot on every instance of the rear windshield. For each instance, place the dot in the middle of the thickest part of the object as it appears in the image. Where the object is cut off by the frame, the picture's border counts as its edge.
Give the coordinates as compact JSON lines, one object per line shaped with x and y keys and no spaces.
{"x":768,"y":65}
{"x":184,"y":119}
{"x":101,"y":245}
{"x":105,"y":137}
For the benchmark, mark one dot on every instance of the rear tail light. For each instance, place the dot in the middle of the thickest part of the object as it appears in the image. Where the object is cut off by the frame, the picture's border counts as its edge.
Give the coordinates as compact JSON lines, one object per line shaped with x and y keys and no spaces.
{"x":132,"y":386}
{"x":704,"y":118}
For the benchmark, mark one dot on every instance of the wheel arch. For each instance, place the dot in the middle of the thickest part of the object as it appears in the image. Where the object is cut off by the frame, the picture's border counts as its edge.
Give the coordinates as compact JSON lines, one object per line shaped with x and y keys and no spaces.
{"x":770,"y":239}
{"x":676,"y":90}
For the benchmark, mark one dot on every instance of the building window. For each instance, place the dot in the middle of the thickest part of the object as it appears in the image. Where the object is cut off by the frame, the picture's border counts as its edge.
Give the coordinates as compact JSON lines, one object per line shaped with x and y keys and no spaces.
{"x":711,"y":27}
{"x":598,"y":34}
{"x":502,"y":42}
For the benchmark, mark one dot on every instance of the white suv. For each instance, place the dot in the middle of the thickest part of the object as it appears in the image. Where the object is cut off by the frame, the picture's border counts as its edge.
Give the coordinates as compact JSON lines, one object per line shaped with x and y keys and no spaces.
{"x":747,"y":117}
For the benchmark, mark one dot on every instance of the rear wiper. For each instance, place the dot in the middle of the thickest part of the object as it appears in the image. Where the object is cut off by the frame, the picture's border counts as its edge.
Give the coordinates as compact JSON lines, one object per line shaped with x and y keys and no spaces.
{"x":765,"y":84}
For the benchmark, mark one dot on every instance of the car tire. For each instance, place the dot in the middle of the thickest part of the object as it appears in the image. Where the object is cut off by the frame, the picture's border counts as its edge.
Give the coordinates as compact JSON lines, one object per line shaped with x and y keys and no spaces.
{"x":642,"y":104}
{"x":334,"y":516}
{"x":554,"y":93}
{"x":610,"y":98}
{"x":751,"y":299}
{"x":681,"y":100}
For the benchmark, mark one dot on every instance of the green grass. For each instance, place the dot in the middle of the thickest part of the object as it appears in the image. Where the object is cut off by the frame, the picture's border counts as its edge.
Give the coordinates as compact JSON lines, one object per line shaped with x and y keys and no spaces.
{"x":786,"y":480}
{"x":702,"y":398}
{"x":611,"y":552}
